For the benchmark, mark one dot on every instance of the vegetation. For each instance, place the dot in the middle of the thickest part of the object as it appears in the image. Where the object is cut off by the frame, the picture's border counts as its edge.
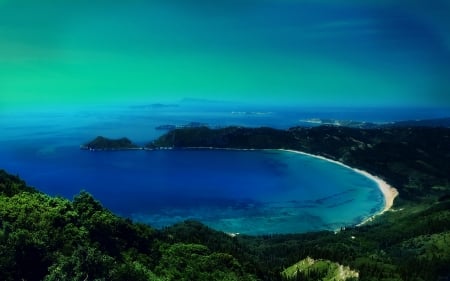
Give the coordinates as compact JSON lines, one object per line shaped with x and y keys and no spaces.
{"x":325,"y":270}
{"x":235,"y":137}
{"x":46,"y":238}
{"x":102,"y":143}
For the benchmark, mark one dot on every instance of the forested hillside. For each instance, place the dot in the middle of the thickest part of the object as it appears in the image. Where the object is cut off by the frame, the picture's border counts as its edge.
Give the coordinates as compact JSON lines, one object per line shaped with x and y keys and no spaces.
{"x":46,"y":238}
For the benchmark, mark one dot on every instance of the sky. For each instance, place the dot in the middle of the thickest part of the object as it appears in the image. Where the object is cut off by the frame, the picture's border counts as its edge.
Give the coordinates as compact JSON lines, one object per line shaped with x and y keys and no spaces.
{"x":323,"y":52}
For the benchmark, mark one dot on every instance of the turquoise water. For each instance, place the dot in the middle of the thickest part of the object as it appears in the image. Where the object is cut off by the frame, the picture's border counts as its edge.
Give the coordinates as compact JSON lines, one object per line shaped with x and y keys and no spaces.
{"x":252,"y":192}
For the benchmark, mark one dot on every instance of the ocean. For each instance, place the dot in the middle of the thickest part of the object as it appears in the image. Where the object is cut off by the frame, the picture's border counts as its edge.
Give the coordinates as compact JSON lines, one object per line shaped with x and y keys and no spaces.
{"x":250,"y":192}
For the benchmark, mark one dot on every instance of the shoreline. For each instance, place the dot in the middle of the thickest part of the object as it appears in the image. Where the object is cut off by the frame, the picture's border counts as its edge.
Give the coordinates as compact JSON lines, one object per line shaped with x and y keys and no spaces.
{"x":389,"y":192}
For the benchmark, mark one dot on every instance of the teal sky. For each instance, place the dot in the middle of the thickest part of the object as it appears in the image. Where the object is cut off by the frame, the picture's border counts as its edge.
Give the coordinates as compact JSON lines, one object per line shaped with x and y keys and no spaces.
{"x":328,"y":52}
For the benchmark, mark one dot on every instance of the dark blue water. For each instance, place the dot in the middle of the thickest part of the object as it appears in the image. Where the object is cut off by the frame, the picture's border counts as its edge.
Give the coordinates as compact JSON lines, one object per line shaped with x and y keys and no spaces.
{"x":253,"y":192}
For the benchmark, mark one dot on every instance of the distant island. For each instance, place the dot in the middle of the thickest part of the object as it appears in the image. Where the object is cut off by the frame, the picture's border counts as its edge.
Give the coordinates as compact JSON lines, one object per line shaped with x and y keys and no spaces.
{"x":102,"y":143}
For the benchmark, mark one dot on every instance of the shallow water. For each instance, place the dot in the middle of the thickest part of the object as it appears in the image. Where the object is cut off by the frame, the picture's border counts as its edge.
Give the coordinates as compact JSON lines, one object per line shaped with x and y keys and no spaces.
{"x":252,"y":192}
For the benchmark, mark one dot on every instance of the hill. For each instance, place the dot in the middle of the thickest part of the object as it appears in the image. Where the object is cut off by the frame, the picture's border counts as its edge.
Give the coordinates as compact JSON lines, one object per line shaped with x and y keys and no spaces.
{"x":47,"y":238}
{"x":102,"y":143}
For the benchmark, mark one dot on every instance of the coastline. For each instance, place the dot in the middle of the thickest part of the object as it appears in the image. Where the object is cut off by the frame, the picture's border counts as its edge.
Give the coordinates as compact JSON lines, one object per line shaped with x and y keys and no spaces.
{"x":389,"y":192}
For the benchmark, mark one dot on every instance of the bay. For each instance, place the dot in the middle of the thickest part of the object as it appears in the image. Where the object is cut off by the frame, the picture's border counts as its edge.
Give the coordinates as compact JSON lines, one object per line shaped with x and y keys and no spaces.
{"x":251,"y":192}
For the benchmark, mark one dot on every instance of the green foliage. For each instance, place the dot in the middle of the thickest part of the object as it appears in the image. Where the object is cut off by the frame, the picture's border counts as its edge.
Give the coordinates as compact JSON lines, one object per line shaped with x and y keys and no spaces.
{"x":11,"y":185}
{"x":310,"y":269}
{"x":135,"y":271}
{"x":102,"y":143}
{"x":85,"y":263}
{"x":45,"y":238}
{"x":196,"y":262}
{"x":230,"y":137}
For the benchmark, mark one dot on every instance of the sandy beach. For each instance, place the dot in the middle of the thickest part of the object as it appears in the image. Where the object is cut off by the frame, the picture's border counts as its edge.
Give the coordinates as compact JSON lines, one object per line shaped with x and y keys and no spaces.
{"x":389,"y":192}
